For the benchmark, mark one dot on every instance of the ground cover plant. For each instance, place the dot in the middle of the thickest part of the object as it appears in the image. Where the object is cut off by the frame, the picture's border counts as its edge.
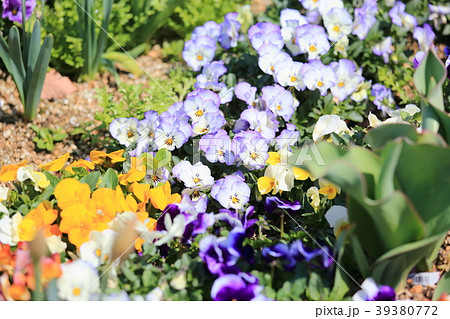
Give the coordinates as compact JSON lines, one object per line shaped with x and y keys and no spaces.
{"x":303,"y":155}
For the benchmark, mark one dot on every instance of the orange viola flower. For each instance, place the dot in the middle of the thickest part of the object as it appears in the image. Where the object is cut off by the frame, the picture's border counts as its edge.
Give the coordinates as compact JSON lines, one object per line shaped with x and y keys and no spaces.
{"x":55,"y":165}
{"x":69,"y":191}
{"x":161,"y":196}
{"x":50,"y":268}
{"x":99,"y":157}
{"x":136,"y":173}
{"x":8,"y":173}
{"x":80,"y":163}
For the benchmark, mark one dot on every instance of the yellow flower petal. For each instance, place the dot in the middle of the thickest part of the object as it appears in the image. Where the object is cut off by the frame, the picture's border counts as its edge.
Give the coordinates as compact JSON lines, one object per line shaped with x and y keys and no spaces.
{"x":274,"y":158}
{"x":57,"y":164}
{"x":300,"y":174}
{"x":8,"y":173}
{"x":70,"y":191}
{"x":265,"y":184}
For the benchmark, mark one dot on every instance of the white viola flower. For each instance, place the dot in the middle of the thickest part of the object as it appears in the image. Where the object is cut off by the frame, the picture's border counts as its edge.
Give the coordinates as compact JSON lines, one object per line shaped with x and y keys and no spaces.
{"x":27,"y":173}
{"x":193,"y":176}
{"x":326,"y":6}
{"x":347,"y":80}
{"x":370,"y":291}
{"x":6,"y":231}
{"x":319,"y":76}
{"x":291,"y":74}
{"x":314,"y":196}
{"x":97,"y":249}
{"x":55,"y":244}
{"x":282,"y":176}
{"x":311,"y":5}
{"x":125,"y":130}
{"x":328,"y":124}
{"x":287,"y":15}
{"x":79,"y":281}
{"x":174,"y":229}
{"x":337,"y":217}
{"x":340,"y":47}
{"x":270,"y":56}
{"x":360,"y":93}
{"x":312,"y":39}
{"x":338,"y":22}
{"x":155,"y":295}
{"x":409,"y":109}
{"x":4,"y":191}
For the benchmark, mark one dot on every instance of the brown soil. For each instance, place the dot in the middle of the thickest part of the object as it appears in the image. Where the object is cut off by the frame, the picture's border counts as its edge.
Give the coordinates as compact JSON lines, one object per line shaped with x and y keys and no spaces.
{"x":16,"y":136}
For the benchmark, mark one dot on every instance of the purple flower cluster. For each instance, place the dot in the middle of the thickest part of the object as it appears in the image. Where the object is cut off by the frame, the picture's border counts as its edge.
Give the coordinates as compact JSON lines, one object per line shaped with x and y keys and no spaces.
{"x":12,"y":9}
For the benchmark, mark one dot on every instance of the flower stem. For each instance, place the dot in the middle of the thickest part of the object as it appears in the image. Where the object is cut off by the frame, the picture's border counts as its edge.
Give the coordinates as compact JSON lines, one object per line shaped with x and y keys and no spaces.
{"x":282,"y":225}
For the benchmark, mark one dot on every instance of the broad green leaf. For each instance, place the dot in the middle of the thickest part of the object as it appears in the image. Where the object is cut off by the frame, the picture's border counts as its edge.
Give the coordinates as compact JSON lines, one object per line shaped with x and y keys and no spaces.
{"x":52,"y":178}
{"x":360,"y":258}
{"x":443,"y":287}
{"x":4,"y":53}
{"x":91,"y":179}
{"x":390,"y":155}
{"x":110,"y":179}
{"x":379,"y":136}
{"x":37,"y":79}
{"x":163,"y":157}
{"x":124,"y":61}
{"x":16,"y":65}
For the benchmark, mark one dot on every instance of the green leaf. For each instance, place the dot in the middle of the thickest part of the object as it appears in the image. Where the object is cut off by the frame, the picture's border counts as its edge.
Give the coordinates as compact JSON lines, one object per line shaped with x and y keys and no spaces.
{"x":110,"y":179}
{"x":125,"y":61}
{"x":37,"y":79}
{"x":91,"y":179}
{"x":16,"y":65}
{"x":163,"y":157}
{"x":443,"y":287}
{"x":379,"y":136}
{"x":316,"y":290}
{"x":52,"y":178}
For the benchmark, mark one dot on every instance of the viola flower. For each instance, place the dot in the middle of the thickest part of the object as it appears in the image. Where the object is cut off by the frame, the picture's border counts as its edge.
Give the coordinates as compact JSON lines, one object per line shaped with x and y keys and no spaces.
{"x":193,"y":176}
{"x":37,"y":178}
{"x":247,"y":93}
{"x":279,"y":101}
{"x":269,"y":57}
{"x":401,"y":18}
{"x":319,"y":76}
{"x":219,"y":258}
{"x":7,"y":231}
{"x":383,"y":97}
{"x":425,"y":36}
{"x":200,"y":102}
{"x":192,"y":207}
{"x":124,"y":130}
{"x":347,"y":80}
{"x":174,"y":229}
{"x":328,"y":124}
{"x":4,"y":191}
{"x":162,"y":196}
{"x":370,"y":291}
{"x":418,"y":58}
{"x":79,"y":281}
{"x":87,"y":165}
{"x":263,"y":122}
{"x":273,"y":203}
{"x":242,"y":287}
{"x":172,"y":135}
{"x":302,"y":253}
{"x":225,"y":94}
{"x":365,"y":19}
{"x":210,"y":29}
{"x":290,"y":19}
{"x":252,"y":149}
{"x":288,"y":137}
{"x":231,"y":192}
{"x":438,"y":14}
{"x":55,"y":244}
{"x":263,"y":33}
{"x":360,"y":93}
{"x":384,"y":49}
{"x":146,"y":130}
{"x":326,"y":6}
{"x":98,"y":249}
{"x":209,"y":123}
{"x":101,"y":158}
{"x":199,"y":51}
{"x":229,"y":31}
{"x":279,"y":252}
{"x":210,"y":75}
{"x":337,"y":217}
{"x":12,"y":9}
{"x":8,"y":173}
{"x":290,"y":74}
{"x":338,"y":23}
{"x":328,"y":189}
{"x":313,"y":40}
{"x":55,"y":165}
{"x":313,"y":194}
{"x":217,"y":147}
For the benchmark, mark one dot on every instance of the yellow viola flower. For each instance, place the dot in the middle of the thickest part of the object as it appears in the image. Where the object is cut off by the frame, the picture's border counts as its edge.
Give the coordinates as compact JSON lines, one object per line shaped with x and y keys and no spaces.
{"x":43,"y":217}
{"x":274,"y":158}
{"x":313,"y":194}
{"x":104,"y":203}
{"x":39,"y":180}
{"x":265,"y":184}
{"x":57,"y":164}
{"x":8,"y":173}
{"x":328,"y":189}
{"x":136,"y":173}
{"x":161,"y":196}
{"x":300,"y":174}
{"x":69,"y":191}
{"x":141,"y":191}
{"x":99,"y":157}
{"x":80,"y":163}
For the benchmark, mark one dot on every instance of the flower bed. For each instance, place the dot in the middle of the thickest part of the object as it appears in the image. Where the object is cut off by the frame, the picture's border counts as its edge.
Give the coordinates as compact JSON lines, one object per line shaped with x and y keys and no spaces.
{"x":308,"y":162}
